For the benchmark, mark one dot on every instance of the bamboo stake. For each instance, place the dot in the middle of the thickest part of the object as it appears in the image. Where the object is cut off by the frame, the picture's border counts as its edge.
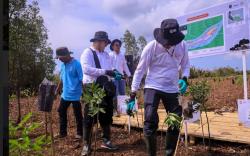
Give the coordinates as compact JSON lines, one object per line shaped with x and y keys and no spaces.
{"x":51,"y":134}
{"x":176,"y":147}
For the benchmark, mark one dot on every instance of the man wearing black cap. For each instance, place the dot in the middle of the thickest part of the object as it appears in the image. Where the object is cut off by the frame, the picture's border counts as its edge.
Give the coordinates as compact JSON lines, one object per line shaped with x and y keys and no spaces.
{"x":96,"y":63}
{"x":162,"y":58}
{"x":71,"y":84}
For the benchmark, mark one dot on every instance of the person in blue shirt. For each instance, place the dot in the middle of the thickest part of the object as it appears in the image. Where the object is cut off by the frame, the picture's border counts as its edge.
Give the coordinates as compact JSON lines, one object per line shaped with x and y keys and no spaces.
{"x":71,"y":84}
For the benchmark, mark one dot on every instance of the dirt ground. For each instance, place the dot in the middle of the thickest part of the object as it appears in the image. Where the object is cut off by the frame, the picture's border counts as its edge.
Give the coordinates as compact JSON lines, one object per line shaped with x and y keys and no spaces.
{"x":129,"y":145}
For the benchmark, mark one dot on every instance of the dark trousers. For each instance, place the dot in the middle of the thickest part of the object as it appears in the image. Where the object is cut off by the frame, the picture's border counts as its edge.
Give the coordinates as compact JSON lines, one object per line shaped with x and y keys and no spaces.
{"x":152,"y":98}
{"x":62,"y":110}
{"x":105,"y":120}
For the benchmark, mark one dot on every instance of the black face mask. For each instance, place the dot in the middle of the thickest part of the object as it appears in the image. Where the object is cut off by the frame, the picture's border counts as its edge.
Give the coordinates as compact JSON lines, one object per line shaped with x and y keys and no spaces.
{"x":169,"y":32}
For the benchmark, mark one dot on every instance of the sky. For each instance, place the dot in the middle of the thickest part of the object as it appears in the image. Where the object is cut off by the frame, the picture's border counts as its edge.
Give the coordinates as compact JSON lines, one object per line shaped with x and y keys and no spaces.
{"x":72,"y":23}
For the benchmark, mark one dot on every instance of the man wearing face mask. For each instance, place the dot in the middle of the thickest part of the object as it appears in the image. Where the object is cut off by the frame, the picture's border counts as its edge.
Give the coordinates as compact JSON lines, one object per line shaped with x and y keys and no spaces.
{"x":161,"y":60}
{"x":96,"y":63}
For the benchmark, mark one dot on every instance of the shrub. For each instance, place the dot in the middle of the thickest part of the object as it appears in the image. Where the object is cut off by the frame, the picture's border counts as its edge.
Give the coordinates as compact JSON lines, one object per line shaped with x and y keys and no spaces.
{"x":20,"y":143}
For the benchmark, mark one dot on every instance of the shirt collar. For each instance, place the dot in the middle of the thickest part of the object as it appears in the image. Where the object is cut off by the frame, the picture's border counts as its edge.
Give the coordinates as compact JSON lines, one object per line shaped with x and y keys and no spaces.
{"x":96,"y":49}
{"x":170,"y":49}
{"x":72,"y":59}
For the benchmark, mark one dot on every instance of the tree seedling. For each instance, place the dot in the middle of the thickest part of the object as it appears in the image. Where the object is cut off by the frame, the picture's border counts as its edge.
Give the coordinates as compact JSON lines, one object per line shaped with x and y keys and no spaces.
{"x":199,"y":93}
{"x":174,"y":121}
{"x":20,"y":143}
{"x":94,"y":97}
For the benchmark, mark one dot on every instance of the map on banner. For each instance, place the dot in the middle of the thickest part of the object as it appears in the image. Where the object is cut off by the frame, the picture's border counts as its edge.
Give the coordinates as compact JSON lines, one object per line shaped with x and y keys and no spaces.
{"x":215,"y":30}
{"x":208,"y":33}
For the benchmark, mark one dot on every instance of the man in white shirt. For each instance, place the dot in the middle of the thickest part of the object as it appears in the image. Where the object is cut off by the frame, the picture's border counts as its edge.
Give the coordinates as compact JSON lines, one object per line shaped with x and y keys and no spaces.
{"x":119,"y":63}
{"x":161,"y":60}
{"x":91,"y":71}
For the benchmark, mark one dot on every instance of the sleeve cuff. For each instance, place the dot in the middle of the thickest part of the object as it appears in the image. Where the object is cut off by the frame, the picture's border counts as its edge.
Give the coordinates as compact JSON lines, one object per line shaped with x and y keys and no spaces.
{"x":102,"y":71}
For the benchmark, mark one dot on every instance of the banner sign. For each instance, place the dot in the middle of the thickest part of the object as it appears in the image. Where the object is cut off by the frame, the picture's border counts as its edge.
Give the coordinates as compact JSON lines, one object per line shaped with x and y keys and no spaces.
{"x":215,"y":30}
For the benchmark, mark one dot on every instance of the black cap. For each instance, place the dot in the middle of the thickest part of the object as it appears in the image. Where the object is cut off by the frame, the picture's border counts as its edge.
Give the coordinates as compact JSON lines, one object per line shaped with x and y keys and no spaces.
{"x":62,"y":51}
{"x":169,"y":32}
{"x":101,"y":36}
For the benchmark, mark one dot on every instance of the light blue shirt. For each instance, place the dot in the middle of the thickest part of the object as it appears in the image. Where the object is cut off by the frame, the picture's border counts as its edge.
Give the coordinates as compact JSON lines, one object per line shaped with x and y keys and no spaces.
{"x":71,"y":76}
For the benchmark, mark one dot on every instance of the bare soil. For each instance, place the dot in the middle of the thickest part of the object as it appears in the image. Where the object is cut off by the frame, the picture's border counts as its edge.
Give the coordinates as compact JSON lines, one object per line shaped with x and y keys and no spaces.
{"x":129,"y":145}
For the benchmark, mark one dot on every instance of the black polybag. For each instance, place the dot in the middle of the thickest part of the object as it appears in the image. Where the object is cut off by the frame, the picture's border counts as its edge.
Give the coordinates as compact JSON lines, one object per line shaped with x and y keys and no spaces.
{"x":46,"y":95}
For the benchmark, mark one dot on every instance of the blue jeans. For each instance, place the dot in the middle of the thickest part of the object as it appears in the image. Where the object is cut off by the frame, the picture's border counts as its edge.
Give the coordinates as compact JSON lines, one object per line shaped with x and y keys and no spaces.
{"x":120,"y":87}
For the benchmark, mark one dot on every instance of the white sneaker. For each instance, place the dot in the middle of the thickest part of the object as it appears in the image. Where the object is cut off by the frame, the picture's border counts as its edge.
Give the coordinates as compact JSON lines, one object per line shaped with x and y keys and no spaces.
{"x":85,"y":150}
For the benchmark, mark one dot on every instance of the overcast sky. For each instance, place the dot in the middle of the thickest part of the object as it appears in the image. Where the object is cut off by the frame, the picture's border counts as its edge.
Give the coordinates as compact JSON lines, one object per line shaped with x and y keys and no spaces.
{"x":72,"y":23}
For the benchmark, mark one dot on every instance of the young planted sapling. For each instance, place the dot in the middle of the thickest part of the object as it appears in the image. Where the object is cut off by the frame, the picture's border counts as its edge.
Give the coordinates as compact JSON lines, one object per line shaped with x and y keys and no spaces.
{"x":20,"y":142}
{"x":174,"y":121}
{"x":93,"y":97}
{"x":199,"y":92}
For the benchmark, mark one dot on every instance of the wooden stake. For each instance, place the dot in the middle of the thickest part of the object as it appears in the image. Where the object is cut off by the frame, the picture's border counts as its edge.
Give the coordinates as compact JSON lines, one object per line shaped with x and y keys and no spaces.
{"x":186,"y":134}
{"x":176,"y":147}
{"x":46,"y":124}
{"x":138,"y":123}
{"x":51,"y":134}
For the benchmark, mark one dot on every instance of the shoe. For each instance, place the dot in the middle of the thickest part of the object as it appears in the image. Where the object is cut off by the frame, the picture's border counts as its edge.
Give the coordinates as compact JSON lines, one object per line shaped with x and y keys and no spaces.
{"x":60,"y":136}
{"x":108,"y":145}
{"x":116,"y":114}
{"x":78,"y":137}
{"x":85,"y":150}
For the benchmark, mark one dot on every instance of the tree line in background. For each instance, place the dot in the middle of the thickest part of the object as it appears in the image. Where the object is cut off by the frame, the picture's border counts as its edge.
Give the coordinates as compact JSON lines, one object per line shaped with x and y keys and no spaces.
{"x":219,"y":72}
{"x":30,"y":55}
{"x":133,"y":48}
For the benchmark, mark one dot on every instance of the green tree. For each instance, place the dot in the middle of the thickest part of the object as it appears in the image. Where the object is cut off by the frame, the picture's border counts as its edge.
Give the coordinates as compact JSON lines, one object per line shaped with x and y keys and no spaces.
{"x":142,"y":42}
{"x":130,"y":44}
{"x":30,"y":55}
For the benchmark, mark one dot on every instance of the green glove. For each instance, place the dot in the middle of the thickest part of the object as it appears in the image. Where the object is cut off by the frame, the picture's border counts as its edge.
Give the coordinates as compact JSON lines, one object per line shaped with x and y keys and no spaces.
{"x":118,"y":76}
{"x":183,"y":85}
{"x":131,"y":104}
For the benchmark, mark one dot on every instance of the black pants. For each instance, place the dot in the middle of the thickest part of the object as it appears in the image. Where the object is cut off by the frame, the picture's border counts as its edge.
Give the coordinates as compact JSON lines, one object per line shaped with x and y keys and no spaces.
{"x":105,"y":120}
{"x":152,"y":98}
{"x":62,"y":110}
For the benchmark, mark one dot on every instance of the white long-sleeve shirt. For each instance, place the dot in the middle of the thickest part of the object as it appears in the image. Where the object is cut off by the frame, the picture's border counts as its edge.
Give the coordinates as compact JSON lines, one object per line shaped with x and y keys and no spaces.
{"x":119,"y":62}
{"x":90,"y":72}
{"x":162,"y":67}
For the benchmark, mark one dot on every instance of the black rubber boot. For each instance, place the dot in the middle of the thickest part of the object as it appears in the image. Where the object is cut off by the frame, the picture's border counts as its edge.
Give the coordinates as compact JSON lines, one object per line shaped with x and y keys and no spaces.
{"x":151,"y":145}
{"x":171,"y":142}
{"x":106,"y":132}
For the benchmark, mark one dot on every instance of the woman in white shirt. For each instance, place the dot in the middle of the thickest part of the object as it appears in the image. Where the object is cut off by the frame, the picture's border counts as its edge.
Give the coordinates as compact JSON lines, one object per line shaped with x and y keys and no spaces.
{"x":119,"y":63}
